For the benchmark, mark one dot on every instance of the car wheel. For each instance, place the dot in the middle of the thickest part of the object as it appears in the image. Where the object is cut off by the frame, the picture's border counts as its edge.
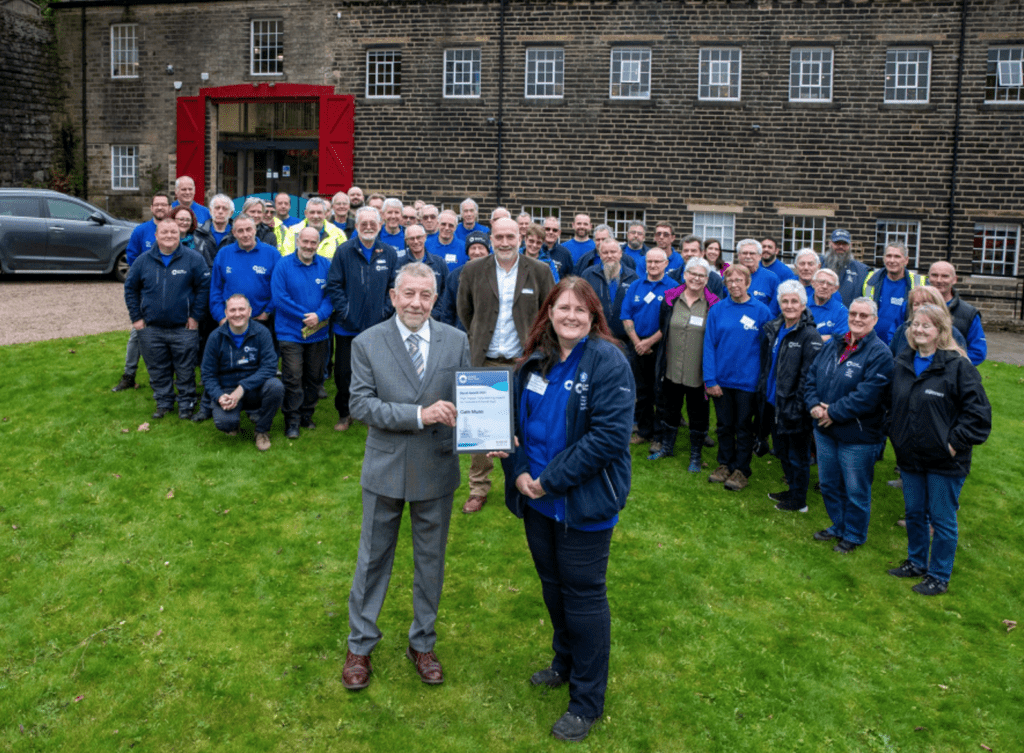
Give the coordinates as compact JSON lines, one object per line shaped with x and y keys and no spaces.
{"x":121,"y":267}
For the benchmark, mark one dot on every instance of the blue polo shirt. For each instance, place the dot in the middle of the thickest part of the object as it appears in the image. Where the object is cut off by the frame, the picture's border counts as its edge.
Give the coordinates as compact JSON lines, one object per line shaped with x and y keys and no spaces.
{"x":454,"y":254}
{"x":642,"y":304}
{"x":577,"y":248}
{"x":892,"y":308}
{"x":832,"y":318}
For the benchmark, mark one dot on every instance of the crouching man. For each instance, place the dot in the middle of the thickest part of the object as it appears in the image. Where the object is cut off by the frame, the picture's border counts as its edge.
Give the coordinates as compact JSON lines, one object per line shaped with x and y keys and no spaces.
{"x":239,"y":370}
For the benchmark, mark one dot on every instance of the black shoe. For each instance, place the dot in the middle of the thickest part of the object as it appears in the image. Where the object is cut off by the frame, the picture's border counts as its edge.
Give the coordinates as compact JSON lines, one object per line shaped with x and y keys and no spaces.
{"x":931,"y":586}
{"x":549,"y":677}
{"x":824,"y":535}
{"x":761,"y":448}
{"x":788,"y":505}
{"x":161,"y":412}
{"x":709,"y":441}
{"x":292,"y":432}
{"x":572,"y":728}
{"x":844,"y":547}
{"x":185,"y":414}
{"x":907,"y":569}
{"x":201,"y":415}
{"x":307,"y":423}
{"x":779,"y":496}
{"x":127,"y":383}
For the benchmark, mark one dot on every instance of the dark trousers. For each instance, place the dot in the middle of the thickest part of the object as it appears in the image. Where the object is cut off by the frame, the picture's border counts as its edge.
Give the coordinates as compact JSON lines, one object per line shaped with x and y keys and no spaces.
{"x":342,"y":372}
{"x":735,"y":411}
{"x":302,"y":371}
{"x":644,"y":371}
{"x":572,"y":566}
{"x":170,"y":356}
{"x":794,"y":452}
{"x":698,"y":410}
{"x":266,"y":401}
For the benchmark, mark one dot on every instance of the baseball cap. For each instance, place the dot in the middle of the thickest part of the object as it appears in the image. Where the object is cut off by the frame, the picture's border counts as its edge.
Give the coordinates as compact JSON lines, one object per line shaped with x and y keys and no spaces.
{"x":841,"y":236}
{"x":478,"y":237}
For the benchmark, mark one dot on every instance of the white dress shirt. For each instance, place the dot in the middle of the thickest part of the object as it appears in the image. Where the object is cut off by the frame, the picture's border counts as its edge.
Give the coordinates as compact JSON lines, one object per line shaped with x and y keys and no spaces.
{"x":505,"y":341}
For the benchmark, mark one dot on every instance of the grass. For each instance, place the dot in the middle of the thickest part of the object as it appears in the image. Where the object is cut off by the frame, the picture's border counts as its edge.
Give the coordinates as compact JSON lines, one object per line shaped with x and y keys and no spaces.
{"x":177,"y":590}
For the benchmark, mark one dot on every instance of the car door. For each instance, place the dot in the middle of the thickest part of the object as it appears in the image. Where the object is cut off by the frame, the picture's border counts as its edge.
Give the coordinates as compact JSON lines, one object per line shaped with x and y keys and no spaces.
{"x":23,"y":233}
{"x":76,"y":243}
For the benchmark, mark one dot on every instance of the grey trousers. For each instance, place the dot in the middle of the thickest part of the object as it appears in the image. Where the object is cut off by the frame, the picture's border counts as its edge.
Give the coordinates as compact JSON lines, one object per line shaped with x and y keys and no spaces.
{"x":382,"y":517}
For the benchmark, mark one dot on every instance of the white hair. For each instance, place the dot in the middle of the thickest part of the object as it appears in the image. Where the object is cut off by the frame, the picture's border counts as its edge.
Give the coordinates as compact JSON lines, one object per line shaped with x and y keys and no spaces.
{"x":788,"y":287}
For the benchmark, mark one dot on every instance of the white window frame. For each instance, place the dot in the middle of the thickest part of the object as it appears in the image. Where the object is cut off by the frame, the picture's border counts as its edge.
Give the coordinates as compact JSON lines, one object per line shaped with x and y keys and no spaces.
{"x":266,"y":33}
{"x":383,"y":73}
{"x":545,"y":73}
{"x":713,"y":61}
{"x":908,"y":74}
{"x":996,"y":249}
{"x":124,"y":50}
{"x":540,"y":212}
{"x":124,"y":167}
{"x":907,"y":232}
{"x":1000,"y":60}
{"x":811,"y":71}
{"x":620,"y":218}
{"x":802,"y":231}
{"x":629,"y":74}
{"x":718,"y":225}
{"x":458,"y":62}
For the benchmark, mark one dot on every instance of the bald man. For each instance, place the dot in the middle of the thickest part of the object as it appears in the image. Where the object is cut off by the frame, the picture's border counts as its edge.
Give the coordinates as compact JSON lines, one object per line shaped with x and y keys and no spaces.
{"x":966,"y":318}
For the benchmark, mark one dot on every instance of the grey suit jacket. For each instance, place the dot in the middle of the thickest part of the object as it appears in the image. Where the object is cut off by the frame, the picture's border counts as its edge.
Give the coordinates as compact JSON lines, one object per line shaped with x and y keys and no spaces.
{"x":402,"y":461}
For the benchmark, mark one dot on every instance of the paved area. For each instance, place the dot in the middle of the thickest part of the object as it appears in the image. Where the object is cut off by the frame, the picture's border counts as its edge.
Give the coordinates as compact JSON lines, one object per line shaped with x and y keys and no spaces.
{"x":44,"y":307}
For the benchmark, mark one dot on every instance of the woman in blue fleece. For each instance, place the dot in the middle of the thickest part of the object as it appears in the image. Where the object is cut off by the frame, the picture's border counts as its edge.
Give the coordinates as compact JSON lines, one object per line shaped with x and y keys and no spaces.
{"x":568,"y":480}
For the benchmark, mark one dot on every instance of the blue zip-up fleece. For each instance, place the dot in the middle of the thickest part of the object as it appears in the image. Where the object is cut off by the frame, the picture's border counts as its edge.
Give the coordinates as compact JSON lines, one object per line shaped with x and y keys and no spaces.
{"x":245,"y":272}
{"x":732,"y":344}
{"x":167,"y":295}
{"x":594,"y":470}
{"x":359,"y":288}
{"x":855,"y":391}
{"x":225,"y":365}
{"x":298,"y":290}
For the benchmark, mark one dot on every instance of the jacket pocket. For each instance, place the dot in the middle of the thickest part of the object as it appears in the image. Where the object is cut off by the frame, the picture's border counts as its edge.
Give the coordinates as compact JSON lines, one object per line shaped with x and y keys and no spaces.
{"x":379,"y":443}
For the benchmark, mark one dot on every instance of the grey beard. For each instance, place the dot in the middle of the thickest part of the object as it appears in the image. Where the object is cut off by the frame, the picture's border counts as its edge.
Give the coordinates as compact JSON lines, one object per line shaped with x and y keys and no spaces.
{"x":611,"y":274}
{"x":837,"y":262}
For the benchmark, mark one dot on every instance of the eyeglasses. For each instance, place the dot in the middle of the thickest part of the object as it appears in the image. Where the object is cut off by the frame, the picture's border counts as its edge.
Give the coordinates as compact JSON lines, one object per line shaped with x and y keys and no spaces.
{"x":859,"y":315}
{"x":697,"y":275}
{"x":825,"y":282}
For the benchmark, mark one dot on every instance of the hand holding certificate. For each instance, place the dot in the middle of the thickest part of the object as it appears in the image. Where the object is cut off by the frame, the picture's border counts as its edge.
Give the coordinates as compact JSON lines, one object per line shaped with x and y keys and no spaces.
{"x":483,"y":399}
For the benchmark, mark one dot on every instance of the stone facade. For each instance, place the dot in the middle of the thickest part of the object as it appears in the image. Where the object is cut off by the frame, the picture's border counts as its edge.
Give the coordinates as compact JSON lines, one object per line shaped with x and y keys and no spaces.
{"x":765,"y":161}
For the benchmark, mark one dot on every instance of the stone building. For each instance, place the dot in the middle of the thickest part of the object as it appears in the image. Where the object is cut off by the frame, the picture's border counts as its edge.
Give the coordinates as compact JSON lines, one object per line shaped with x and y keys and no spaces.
{"x":892,"y":118}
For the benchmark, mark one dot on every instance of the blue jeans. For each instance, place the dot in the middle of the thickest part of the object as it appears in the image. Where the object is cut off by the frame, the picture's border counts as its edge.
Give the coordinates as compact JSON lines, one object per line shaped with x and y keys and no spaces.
{"x":846,"y":472}
{"x":931,"y":498}
{"x":572,"y":566}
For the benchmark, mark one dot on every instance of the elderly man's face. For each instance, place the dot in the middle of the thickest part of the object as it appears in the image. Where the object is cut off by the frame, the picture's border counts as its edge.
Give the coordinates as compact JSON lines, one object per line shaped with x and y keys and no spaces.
{"x":748,"y":257}
{"x":185,"y":193}
{"x":415,"y":240}
{"x":942,"y":276}
{"x":446,"y":223}
{"x":505,"y":240}
{"x":221,"y":212}
{"x":245,"y":234}
{"x":340,"y":205}
{"x":428,"y":218}
{"x":468,"y":215}
{"x":392,"y":218}
{"x":552,"y":232}
{"x":367,"y":226}
{"x":315,"y":215}
{"x":308,"y":241}
{"x":409,"y":216}
{"x":255,"y":212}
{"x":413,"y":299}
{"x":600,"y":237}
{"x":895,"y":262}
{"x":635,"y":237}
{"x":841,"y":248}
{"x":524,"y":222}
{"x":806,"y":266}
{"x":611,"y":252}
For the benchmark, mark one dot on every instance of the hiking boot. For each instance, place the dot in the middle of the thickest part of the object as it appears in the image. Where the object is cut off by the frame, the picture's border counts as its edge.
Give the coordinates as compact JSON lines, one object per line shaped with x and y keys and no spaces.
{"x":127,"y":383}
{"x":572,"y":728}
{"x":549,"y":677}
{"x":292,"y":431}
{"x":719,"y":475}
{"x":696,"y":445}
{"x":737,"y":481}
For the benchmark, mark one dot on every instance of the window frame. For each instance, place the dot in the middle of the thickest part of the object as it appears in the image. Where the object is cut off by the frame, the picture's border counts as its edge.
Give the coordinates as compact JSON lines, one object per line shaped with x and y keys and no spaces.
{"x":118,"y":52}
{"x":994,"y":93}
{"x":475,"y":70}
{"x":793,"y":236}
{"x":994,"y":232}
{"x":718,"y":219}
{"x":890,"y":93}
{"x":558,"y":72}
{"x":705,"y":59}
{"x":796,"y":58}
{"x":619,"y":219}
{"x":909,"y":236}
{"x":117,"y":161}
{"x":384,"y":73}
{"x":266,"y":33}
{"x":615,"y":67}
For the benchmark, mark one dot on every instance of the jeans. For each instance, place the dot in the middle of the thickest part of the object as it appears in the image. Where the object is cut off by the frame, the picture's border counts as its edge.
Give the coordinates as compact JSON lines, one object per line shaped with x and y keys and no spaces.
{"x":266,"y":401}
{"x":302,"y":371}
{"x":794,"y":452}
{"x":342,"y":372}
{"x":131,"y":353}
{"x":846,"y":472}
{"x":572,"y":566}
{"x":735,"y":411}
{"x":931,"y":498}
{"x":171,"y":353}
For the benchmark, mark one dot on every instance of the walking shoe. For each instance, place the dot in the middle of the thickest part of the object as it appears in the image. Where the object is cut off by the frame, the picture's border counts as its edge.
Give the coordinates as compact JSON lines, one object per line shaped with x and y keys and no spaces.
{"x":262,"y":441}
{"x":343,"y":424}
{"x":709,"y":441}
{"x":292,"y":431}
{"x":761,"y":448}
{"x":127,"y":383}
{"x":824,"y":535}
{"x":185,"y":414}
{"x":572,"y":728}
{"x":719,"y":475}
{"x":779,"y":496}
{"x":788,"y":505}
{"x":474,"y":504}
{"x":201,"y":415}
{"x":844,"y":547}
{"x":356,"y":674}
{"x":931,"y":586}
{"x":161,"y":412}
{"x":655,"y":447}
{"x":907,"y":569}
{"x":307,"y":423}
{"x":737,"y":481}
{"x":549,"y":677}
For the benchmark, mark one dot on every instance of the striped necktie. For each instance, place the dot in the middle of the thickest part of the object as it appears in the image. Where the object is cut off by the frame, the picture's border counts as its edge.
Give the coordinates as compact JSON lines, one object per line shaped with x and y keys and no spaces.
{"x":412,"y":342}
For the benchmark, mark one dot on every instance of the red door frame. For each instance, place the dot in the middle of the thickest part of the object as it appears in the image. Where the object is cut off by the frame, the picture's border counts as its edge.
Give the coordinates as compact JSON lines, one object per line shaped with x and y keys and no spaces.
{"x":337,"y":129}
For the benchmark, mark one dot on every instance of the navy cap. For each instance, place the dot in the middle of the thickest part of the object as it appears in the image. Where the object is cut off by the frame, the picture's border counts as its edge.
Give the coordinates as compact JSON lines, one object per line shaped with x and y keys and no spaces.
{"x":841,"y":236}
{"x":478,"y":237}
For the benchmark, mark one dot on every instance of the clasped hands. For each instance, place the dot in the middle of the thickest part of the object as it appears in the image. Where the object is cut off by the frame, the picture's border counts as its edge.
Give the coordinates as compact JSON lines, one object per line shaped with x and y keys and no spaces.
{"x":229,"y":400}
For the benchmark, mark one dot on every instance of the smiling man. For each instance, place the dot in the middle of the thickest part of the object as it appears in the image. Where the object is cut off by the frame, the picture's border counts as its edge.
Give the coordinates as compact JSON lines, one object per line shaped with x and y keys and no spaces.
{"x":889,"y":289}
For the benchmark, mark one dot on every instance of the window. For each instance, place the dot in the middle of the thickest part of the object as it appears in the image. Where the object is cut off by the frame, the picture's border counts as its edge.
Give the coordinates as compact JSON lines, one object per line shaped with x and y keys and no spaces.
{"x":267,"y":49}
{"x":720,"y":73}
{"x":802,"y":232}
{"x":62,"y":209}
{"x":630,"y":73}
{"x":124,"y":51}
{"x":995,"y":249}
{"x":383,"y":73}
{"x":906,"y":75}
{"x":545,"y":71}
{"x":619,"y":219}
{"x":718,"y":225}
{"x":907,"y":232}
{"x":462,"y":73}
{"x":124,"y":168}
{"x":538,"y":212}
{"x":1003,"y":76}
{"x":810,"y":74}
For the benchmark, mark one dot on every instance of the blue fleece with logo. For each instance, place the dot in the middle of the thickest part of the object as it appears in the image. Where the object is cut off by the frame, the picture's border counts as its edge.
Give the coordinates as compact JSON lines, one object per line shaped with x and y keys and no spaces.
{"x":831,"y":319}
{"x":645,"y":314}
{"x":297,"y":290}
{"x":454,"y":254}
{"x":763,"y":285}
{"x":165,"y":293}
{"x":246,"y":272}
{"x":142,"y":239}
{"x":732,"y":344}
{"x":227,"y":365}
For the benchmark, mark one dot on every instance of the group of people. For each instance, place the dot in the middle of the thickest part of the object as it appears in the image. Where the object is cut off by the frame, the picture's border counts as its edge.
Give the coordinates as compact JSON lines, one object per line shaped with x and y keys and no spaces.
{"x":605,"y":342}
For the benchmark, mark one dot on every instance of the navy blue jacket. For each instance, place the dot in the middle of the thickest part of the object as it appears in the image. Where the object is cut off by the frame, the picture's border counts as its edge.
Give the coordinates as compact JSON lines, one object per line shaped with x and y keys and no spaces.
{"x":166,"y":296}
{"x":437,"y":264}
{"x":594,"y":470}
{"x":593,"y":259}
{"x":855,"y":391}
{"x":359,"y":288}
{"x":226,"y":366}
{"x":446,"y":310}
{"x":612,"y":309}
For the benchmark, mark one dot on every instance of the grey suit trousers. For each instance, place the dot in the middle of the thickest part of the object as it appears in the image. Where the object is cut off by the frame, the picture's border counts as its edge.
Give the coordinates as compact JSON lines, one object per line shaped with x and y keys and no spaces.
{"x":382,"y":517}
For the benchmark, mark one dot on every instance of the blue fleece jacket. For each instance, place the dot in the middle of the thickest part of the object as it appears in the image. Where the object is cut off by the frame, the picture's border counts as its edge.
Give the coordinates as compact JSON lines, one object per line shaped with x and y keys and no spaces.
{"x":226,"y":365}
{"x":166,"y":295}
{"x":142,"y":239}
{"x":642,"y":304}
{"x":246,"y":272}
{"x":454,"y":254}
{"x":298,"y":290}
{"x":359,"y":287}
{"x":763,"y":286}
{"x":732,"y":344}
{"x":831,"y":319}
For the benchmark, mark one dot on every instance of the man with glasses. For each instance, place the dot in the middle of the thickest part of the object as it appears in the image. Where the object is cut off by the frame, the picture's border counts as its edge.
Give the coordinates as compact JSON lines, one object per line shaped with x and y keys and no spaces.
{"x":552,"y":242}
{"x":635,"y":248}
{"x":444,"y":243}
{"x":664,"y":238}
{"x":840,"y":260}
{"x":428,"y":218}
{"x":415,"y":251}
{"x":826,"y":306}
{"x":763,"y":283}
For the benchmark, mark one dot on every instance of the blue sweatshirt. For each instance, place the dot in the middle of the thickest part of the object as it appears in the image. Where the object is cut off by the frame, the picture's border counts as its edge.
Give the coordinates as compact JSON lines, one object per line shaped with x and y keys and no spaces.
{"x":577,"y":249}
{"x":142,"y":239}
{"x":454,"y":254}
{"x":732,"y":344}
{"x":831,"y":319}
{"x":763,"y":285}
{"x":246,"y":272}
{"x":397,"y":239}
{"x":297,"y":290}
{"x":166,"y":295}
{"x":642,"y":304}
{"x":780,"y":270}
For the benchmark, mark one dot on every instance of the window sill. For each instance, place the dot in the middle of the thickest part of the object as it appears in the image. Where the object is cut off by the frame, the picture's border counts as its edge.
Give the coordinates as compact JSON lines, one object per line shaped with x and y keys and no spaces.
{"x":908,"y":107}
{"x":802,"y":105}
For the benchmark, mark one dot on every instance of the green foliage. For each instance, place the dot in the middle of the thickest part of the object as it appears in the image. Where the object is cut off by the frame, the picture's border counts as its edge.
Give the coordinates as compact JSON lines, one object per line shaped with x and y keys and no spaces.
{"x":174,"y":589}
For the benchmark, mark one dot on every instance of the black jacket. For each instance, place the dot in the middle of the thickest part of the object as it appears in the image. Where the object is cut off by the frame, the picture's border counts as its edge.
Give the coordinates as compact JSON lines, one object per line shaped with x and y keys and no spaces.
{"x":210,"y":248}
{"x":612,"y":309}
{"x":945,"y":405}
{"x":796,"y":353}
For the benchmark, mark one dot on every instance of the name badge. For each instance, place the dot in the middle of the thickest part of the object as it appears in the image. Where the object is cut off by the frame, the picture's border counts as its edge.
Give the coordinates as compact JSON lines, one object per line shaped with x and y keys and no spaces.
{"x":243,"y":361}
{"x":537,"y":384}
{"x":696,"y":321}
{"x":528,"y":291}
{"x":896,"y":301}
{"x":649,"y":297}
{"x":747,"y":322}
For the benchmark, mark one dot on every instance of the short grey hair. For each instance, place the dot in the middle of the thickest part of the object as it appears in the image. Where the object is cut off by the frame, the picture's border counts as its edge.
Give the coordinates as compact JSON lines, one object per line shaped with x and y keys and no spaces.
{"x":690,"y":239}
{"x":242,"y":218}
{"x":393,"y":203}
{"x":472,"y":203}
{"x":416,"y":269}
{"x":526,"y":215}
{"x":364,"y":210}
{"x":500,"y":213}
{"x":787,"y":287}
{"x":867,"y":301}
{"x":177,"y":181}
{"x":223,"y":197}
{"x":697,"y":261}
{"x":252,"y":201}
{"x":318,"y":200}
{"x":900,"y":246}
{"x":603,"y":226}
{"x":828,"y":273}
{"x":806,"y":252}
{"x":749,"y":242}
{"x":634,"y":223}
{"x":557,"y":220}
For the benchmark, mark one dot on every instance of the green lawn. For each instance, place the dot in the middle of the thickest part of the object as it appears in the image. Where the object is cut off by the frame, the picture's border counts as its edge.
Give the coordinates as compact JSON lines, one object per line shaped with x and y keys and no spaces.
{"x":177,"y":590}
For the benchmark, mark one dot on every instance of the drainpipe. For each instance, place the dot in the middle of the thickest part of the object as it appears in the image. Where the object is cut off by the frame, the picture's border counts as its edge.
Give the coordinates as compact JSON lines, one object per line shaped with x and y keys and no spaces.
{"x":955,"y":167}
{"x":85,"y":109}
{"x":501,"y":95}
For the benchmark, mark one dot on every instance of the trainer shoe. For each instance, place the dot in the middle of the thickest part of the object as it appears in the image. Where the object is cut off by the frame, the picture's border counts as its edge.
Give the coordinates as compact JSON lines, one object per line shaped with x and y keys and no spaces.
{"x":931,"y":586}
{"x":262,"y":441}
{"x":907,"y":569}
{"x":549,"y":677}
{"x":824,"y":535}
{"x":572,"y":728}
{"x":788,"y":505}
{"x":844,"y":547}
{"x":779,"y":496}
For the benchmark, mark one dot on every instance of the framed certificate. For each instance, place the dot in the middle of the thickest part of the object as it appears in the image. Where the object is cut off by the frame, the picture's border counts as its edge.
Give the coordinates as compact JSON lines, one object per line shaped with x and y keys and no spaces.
{"x":483,"y":400}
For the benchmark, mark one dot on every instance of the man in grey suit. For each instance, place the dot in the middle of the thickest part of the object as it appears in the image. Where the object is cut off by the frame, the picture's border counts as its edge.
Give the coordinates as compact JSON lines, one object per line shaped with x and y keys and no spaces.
{"x":403,"y":389}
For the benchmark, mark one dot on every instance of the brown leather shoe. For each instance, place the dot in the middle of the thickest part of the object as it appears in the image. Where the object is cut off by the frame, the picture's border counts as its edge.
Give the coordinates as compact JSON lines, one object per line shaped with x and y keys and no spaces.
{"x":427,"y":665}
{"x":474,"y":504}
{"x":343,"y":424}
{"x":356,"y":674}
